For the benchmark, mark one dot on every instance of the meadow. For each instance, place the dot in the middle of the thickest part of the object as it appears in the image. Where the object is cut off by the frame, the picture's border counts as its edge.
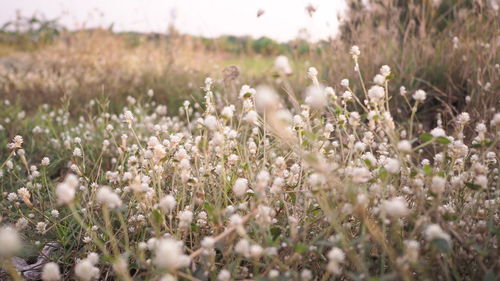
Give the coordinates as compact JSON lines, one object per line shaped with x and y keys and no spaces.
{"x":372,"y":156}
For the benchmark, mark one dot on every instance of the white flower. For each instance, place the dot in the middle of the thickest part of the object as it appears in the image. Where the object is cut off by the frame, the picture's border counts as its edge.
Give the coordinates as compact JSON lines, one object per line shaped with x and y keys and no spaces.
{"x":282,"y":65}
{"x":438,"y":132}
{"x":211,"y":122}
{"x":355,"y":51}
{"x":224,"y":275}
{"x":316,"y":97}
{"x":45,"y":161}
{"x":109,"y":198}
{"x":169,"y":255}
{"x":404,"y":146}
{"x":395,"y":207}
{"x":376,"y":94}
{"x":360,"y":175}
{"x":228,"y":112}
{"x":392,"y":166}
{"x":167,"y":203}
{"x":335,"y":256}
{"x":240,"y":187}
{"x":86,"y":271}
{"x":66,"y":190}
{"x":385,"y":70}
{"x":312,"y":72}
{"x":438,"y":184}
{"x":185,"y":218}
{"x":10,"y":241}
{"x":463,"y":118}
{"x":379,"y":79}
{"x":51,"y":272}
{"x":419,"y":95}
{"x":251,"y":117}
{"x":344,"y":83}
{"x":434,"y":231}
{"x":266,"y":98}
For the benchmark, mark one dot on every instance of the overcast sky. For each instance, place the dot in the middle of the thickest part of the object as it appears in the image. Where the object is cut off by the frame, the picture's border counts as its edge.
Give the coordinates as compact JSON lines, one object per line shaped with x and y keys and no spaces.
{"x":282,"y":19}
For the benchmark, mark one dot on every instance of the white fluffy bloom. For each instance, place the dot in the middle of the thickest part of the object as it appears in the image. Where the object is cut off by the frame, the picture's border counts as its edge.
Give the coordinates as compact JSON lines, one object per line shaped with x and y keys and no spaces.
{"x":224,"y":275}
{"x":392,"y":166}
{"x":419,"y":95}
{"x":45,"y":161}
{"x":438,"y":184}
{"x":51,"y":272}
{"x":385,"y":70}
{"x":211,"y":122}
{"x":379,"y":79}
{"x":266,"y":98}
{"x":10,"y":241}
{"x":344,"y":83}
{"x":109,"y":198}
{"x":316,"y":97}
{"x":169,"y":255}
{"x":66,"y":190}
{"x":251,"y":117}
{"x":335,"y":256}
{"x":85,"y":270}
{"x":355,"y":51}
{"x":282,"y":65}
{"x":360,"y":174}
{"x":434,"y":231}
{"x":404,"y":146}
{"x":167,"y":203}
{"x":240,"y":187}
{"x":185,"y":218}
{"x":376,"y":94}
{"x":228,"y":112}
{"x":395,"y":207}
{"x":438,"y":132}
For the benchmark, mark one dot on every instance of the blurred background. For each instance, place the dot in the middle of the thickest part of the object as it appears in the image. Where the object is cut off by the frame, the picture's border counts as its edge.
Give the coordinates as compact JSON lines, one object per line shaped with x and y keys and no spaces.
{"x":80,"y":50}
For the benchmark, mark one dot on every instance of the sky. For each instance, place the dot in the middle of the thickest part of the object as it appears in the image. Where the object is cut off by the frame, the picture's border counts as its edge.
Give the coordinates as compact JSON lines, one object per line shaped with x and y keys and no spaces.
{"x":282,"y":19}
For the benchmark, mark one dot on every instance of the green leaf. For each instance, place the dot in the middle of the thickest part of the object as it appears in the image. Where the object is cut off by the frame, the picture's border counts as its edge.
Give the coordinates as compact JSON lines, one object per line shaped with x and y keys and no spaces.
{"x":441,"y":245}
{"x":426,"y":137}
{"x":157,"y":217}
{"x":443,"y":140}
{"x":427,"y":170}
{"x":472,"y":186}
{"x":301,"y":247}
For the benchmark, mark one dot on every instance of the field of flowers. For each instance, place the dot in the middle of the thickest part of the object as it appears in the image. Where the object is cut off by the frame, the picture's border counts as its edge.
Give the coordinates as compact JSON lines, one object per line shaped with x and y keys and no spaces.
{"x":321,"y":186}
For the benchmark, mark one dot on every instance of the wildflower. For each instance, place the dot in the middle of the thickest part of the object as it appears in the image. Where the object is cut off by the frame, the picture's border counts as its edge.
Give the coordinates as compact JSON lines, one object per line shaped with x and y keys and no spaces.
{"x":266,"y":99}
{"x":41,"y":227}
{"x":360,"y":175}
{"x":335,"y":256}
{"x":45,"y":161}
{"x":85,"y":270}
{"x":434,"y":231}
{"x":109,"y":198}
{"x":169,"y":255}
{"x":402,"y":91}
{"x":128,"y":117}
{"x":438,"y":184}
{"x":247,"y":92}
{"x":395,"y":207}
{"x":385,"y":70}
{"x":228,"y":112}
{"x":379,"y":79}
{"x":463,"y":118}
{"x":392,"y":166}
{"x":251,"y":117}
{"x":167,"y":203}
{"x":376,"y":94}
{"x":51,"y":272}
{"x":240,"y":187}
{"x":404,"y":146}
{"x":282,"y":65}
{"x":438,"y":132}
{"x":224,"y":275}
{"x":211,"y":122}
{"x":316,"y":97}
{"x":77,"y":152}
{"x":10,"y":241}
{"x":344,"y":83}
{"x":17,"y":142}
{"x":355,"y":52}
{"x":419,"y":96}
{"x":185,"y":218}
{"x":54,"y":213}
{"x":66,"y":190}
